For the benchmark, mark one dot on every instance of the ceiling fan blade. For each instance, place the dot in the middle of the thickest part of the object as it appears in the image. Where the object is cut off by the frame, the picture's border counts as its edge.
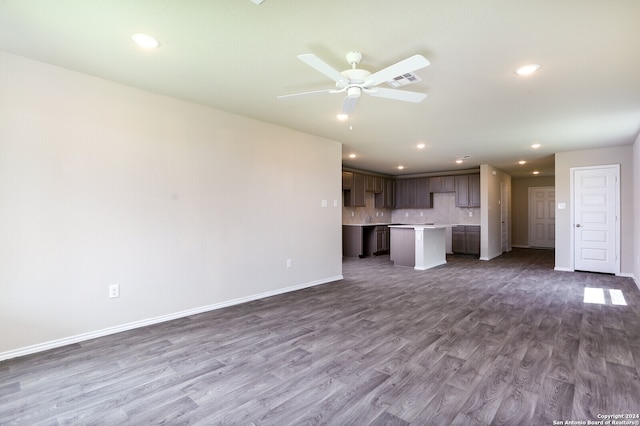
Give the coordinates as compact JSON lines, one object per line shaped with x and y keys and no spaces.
{"x":411,"y":64}
{"x":314,"y":92}
{"x":349,"y":105}
{"x":321,"y":66}
{"x":398,"y":95}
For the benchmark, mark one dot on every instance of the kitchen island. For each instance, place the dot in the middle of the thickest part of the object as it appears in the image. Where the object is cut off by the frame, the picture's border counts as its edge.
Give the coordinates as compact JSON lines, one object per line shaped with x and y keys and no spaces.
{"x":418,"y":246}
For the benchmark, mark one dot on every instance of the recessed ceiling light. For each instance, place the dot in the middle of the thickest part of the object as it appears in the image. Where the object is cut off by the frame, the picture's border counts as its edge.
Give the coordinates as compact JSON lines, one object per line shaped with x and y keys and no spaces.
{"x":522,"y":162}
{"x":536,"y":146}
{"x":342,"y":117}
{"x":146,"y":41}
{"x":535,"y":172}
{"x":461,"y":158}
{"x":400,"y":167}
{"x":420,"y":146}
{"x":527,"y":69}
{"x":352,"y":156}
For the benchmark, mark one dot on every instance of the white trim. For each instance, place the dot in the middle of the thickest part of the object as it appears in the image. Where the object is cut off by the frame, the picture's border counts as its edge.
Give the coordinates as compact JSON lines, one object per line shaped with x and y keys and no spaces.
{"x":28,"y":350}
{"x":492,"y":256}
{"x":520,"y":246}
{"x":561,"y":269}
{"x":572,"y":171}
{"x":430,"y":265}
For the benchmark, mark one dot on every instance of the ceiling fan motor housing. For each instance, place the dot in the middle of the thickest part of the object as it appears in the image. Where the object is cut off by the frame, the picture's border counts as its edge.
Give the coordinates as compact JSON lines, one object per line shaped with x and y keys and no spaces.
{"x":355,"y":77}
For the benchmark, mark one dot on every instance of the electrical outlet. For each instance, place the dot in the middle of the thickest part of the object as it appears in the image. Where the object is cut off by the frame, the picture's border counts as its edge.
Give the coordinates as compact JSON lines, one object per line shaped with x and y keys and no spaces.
{"x":114,"y":291}
{"x":470,"y":214}
{"x":289,"y":263}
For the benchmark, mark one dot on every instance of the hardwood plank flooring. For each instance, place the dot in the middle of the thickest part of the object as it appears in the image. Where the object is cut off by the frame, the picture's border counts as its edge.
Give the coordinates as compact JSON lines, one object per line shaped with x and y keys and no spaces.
{"x":503,"y":342}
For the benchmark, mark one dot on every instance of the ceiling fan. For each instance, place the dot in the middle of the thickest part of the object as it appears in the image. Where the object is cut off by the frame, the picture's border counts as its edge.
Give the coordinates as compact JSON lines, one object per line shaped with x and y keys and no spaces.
{"x":356,"y":81}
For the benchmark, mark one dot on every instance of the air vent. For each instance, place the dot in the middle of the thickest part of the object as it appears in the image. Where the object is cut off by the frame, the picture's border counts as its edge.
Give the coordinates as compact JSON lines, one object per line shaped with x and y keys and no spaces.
{"x":404,"y":80}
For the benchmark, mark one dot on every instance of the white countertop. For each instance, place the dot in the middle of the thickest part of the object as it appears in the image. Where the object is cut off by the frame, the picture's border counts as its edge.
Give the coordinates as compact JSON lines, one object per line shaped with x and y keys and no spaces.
{"x":421,"y":226}
{"x":368,"y":224}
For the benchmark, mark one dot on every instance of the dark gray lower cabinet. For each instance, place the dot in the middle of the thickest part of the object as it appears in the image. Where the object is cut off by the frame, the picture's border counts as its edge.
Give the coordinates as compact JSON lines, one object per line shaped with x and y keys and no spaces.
{"x":465,"y":239}
{"x":364,"y":240}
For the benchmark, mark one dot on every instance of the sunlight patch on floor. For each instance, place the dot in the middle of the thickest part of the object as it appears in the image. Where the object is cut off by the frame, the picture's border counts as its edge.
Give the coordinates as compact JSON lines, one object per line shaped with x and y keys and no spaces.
{"x":617,"y":298}
{"x":597,"y":296}
{"x":593,"y":295}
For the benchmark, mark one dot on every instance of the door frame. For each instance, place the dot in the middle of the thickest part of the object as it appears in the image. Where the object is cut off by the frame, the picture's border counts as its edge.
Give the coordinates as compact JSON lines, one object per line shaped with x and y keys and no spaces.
{"x":505,"y":220}
{"x":572,"y":236}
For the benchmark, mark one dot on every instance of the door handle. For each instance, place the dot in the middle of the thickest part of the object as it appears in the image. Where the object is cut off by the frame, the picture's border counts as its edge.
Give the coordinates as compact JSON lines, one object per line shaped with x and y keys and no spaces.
{"x":578,"y":225}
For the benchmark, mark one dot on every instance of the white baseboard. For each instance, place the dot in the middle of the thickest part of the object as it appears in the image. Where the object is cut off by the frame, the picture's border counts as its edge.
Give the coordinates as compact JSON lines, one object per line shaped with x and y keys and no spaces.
{"x":491,"y":256}
{"x":28,"y":350}
{"x":519,"y":246}
{"x":563,"y":269}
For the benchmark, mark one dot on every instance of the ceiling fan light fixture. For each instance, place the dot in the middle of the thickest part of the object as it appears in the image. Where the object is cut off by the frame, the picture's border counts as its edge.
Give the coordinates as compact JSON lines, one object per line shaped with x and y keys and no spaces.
{"x":527,"y":69}
{"x":145,"y":41}
{"x":354,"y":92}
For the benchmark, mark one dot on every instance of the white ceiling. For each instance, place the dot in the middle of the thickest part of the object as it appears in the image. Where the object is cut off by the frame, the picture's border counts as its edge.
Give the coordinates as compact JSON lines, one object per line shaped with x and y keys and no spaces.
{"x":237,"y":56}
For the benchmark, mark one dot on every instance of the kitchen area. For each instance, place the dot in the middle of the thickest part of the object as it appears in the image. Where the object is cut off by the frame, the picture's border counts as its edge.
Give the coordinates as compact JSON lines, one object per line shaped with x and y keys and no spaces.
{"x":416,"y":220}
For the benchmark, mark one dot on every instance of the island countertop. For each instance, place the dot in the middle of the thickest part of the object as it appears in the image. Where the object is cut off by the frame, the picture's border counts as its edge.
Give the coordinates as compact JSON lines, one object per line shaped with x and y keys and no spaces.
{"x":423,"y":226}
{"x":418,"y":246}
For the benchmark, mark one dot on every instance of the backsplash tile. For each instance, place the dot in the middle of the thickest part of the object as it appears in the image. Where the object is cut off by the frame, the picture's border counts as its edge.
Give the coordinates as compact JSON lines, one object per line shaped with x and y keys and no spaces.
{"x":444,"y":211}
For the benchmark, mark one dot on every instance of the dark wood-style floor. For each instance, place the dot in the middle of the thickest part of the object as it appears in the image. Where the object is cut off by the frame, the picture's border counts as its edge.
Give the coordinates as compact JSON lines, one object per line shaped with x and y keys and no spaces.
{"x":508,"y":341}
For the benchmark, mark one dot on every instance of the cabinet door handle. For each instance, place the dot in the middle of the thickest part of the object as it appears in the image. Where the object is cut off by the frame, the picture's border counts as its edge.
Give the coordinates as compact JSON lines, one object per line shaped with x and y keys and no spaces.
{"x":578,"y":225}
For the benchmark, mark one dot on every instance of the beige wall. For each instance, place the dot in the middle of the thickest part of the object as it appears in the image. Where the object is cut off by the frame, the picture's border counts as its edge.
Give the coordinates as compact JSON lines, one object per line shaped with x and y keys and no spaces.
{"x":564,"y":162}
{"x":520,"y":206}
{"x":185,"y":207}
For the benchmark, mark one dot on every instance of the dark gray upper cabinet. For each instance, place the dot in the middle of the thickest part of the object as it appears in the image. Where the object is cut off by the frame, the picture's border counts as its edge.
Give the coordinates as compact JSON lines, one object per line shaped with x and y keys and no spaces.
{"x":474,"y":190}
{"x":468,"y":191}
{"x":386,"y":199}
{"x":355,"y":196}
{"x":442,"y":184}
{"x":424,"y":197}
{"x":462,"y":191}
{"x":347,"y":179}
{"x":413,"y":194}
{"x":373,"y":184}
{"x":405,"y":193}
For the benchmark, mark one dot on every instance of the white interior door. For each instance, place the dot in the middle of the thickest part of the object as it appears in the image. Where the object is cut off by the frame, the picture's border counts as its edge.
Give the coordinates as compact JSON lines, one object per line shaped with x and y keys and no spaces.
{"x":542,"y":217}
{"x":595,"y":218}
